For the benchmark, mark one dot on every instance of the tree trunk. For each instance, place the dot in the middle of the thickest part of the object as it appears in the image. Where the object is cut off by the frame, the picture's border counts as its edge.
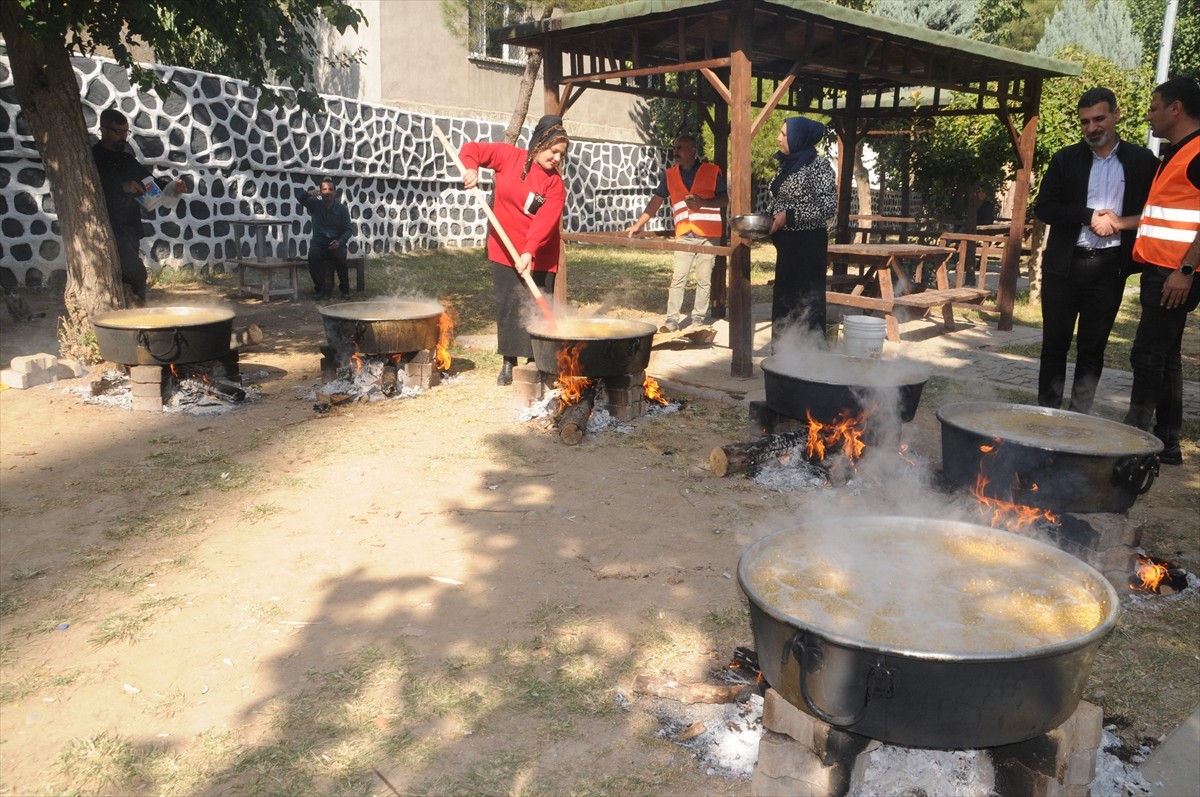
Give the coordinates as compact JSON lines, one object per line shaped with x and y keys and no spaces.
{"x":45,"y":88}
{"x":862,"y":184}
{"x":533,"y":65}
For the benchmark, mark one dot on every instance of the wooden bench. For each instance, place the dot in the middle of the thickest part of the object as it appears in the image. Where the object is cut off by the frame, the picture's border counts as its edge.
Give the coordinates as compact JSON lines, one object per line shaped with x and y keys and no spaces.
{"x":265,"y":269}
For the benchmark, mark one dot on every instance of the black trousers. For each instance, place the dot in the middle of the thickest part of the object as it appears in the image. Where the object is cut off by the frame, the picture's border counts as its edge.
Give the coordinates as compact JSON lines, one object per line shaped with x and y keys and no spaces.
{"x":322,"y":262}
{"x":129,"y":251}
{"x":515,"y":308}
{"x":1156,"y":400}
{"x":1090,"y":293}
{"x":801,"y":258}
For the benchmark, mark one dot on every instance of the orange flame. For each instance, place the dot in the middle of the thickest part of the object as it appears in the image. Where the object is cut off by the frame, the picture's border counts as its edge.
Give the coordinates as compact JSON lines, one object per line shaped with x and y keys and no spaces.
{"x":1006,"y":514}
{"x":846,"y":431}
{"x":904,"y":455}
{"x":357,"y":361}
{"x":570,"y":375}
{"x":653,"y":392}
{"x":446,"y":325}
{"x":1150,"y":573}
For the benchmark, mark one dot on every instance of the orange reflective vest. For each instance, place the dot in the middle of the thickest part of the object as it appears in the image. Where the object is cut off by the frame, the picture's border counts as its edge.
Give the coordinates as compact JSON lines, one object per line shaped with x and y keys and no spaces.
{"x":705,"y":222}
{"x":1171,"y":217}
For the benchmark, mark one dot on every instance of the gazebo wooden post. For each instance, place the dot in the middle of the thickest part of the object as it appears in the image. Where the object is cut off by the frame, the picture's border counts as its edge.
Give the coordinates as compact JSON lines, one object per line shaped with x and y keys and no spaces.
{"x":847,"y":130}
{"x":1010,"y":265}
{"x":552,"y":102}
{"x":741,"y":322}
{"x":719,"y":297}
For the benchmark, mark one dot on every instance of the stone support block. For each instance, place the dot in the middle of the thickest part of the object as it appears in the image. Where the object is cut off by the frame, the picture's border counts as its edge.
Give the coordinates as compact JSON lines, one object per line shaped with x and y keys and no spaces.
{"x":71,"y":369}
{"x":146,"y":374}
{"x":147,"y":404}
{"x":1115,"y":529}
{"x":33,"y":363}
{"x":146,"y":390}
{"x":624,"y":412}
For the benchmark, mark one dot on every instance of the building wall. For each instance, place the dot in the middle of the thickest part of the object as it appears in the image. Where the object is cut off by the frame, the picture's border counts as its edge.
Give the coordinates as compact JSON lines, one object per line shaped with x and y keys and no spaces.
{"x":425,"y":68}
{"x":245,"y":163}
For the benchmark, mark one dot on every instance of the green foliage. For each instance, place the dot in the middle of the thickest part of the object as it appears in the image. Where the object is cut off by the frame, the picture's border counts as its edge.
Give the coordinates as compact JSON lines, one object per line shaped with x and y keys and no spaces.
{"x":259,"y":41}
{"x":1026,"y":31}
{"x":994,"y":20}
{"x":1103,"y":27}
{"x":951,"y":16}
{"x":1147,"y":18}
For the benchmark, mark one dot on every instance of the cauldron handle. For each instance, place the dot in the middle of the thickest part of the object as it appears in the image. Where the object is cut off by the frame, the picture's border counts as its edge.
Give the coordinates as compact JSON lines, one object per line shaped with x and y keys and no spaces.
{"x":800,"y":651}
{"x":1137,"y":473}
{"x":360,"y":332}
{"x":143,"y":340}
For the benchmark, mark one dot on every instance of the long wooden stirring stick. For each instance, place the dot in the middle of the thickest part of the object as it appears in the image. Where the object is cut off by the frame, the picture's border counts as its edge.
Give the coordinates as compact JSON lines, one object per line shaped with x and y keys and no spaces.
{"x":491,"y":214}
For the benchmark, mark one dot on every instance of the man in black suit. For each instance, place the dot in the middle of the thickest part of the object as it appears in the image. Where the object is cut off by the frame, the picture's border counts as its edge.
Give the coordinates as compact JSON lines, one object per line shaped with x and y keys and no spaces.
{"x":1092,"y":190}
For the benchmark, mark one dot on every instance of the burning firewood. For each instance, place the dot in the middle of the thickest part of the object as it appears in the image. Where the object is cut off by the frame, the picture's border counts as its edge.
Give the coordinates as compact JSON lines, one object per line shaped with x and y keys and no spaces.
{"x":739,"y":457}
{"x":689,"y":693}
{"x":572,"y":423}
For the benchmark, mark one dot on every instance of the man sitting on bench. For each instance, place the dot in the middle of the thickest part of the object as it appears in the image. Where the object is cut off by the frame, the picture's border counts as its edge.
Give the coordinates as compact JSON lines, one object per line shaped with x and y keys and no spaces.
{"x":331,"y":230}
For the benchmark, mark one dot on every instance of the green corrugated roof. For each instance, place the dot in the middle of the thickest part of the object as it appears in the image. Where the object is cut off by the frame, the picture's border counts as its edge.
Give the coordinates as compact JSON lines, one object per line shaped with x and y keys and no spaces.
{"x":641,"y":12}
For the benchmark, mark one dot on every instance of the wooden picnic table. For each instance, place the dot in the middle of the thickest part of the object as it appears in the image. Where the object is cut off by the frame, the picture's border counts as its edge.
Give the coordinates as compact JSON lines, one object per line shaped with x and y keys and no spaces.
{"x":879,"y":265}
{"x":661,"y":243}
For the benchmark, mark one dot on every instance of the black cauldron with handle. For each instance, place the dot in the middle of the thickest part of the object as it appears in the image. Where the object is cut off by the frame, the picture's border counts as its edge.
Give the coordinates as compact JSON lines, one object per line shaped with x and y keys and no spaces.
{"x":164,"y":335}
{"x":1052,"y":459}
{"x":601,"y":346}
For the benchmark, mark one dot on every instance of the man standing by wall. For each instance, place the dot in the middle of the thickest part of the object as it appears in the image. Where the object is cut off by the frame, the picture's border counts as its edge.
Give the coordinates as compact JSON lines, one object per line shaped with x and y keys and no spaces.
{"x":1168,"y":242}
{"x":1090,"y":189}
{"x":331,"y":230}
{"x":123,"y":181}
{"x":697,"y":193}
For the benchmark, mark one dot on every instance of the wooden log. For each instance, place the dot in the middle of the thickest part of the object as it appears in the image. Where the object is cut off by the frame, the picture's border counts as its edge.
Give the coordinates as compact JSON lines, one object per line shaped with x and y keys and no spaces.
{"x":572,"y":423}
{"x":739,"y":457}
{"x":688,"y":693}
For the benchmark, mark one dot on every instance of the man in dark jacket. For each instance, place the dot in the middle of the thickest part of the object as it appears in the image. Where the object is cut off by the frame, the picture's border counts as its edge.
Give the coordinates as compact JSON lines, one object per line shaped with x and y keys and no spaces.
{"x":1088,"y":193}
{"x":125,"y":182}
{"x":331,"y":228}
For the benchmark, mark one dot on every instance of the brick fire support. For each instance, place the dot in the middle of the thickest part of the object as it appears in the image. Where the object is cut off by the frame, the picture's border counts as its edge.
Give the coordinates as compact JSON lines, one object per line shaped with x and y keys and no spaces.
{"x":800,"y":756}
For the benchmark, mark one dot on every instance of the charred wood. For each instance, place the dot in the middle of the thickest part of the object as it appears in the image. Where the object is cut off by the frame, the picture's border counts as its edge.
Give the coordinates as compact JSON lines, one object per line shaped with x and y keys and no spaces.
{"x":749,"y":457}
{"x":572,"y":423}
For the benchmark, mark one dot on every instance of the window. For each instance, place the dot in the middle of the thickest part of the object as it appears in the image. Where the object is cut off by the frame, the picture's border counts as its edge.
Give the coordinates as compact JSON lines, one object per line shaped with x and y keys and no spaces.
{"x":485,"y":14}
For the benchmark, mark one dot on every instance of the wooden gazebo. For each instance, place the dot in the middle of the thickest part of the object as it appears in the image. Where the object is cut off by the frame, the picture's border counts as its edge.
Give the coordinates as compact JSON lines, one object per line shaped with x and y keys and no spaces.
{"x":823,"y":59}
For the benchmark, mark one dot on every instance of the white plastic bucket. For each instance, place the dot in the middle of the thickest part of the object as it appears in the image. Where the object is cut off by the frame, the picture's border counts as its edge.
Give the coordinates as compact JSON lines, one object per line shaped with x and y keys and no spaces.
{"x":863,"y":335}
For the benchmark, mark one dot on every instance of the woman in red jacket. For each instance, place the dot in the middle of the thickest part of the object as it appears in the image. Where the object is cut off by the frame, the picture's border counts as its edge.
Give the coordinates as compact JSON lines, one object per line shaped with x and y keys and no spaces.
{"x":528,"y":201}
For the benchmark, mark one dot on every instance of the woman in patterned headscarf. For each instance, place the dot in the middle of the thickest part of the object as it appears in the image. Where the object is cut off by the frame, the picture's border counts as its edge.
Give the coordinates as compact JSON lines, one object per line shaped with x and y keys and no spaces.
{"x":803,"y":202}
{"x":528,"y":201}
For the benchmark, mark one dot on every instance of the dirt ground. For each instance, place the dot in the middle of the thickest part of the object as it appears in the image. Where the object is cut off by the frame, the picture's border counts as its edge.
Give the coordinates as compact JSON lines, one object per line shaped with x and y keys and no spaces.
{"x":424,"y":590}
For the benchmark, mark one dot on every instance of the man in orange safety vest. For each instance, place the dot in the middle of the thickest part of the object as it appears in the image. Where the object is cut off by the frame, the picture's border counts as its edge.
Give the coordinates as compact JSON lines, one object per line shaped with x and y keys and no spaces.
{"x":697,"y":193}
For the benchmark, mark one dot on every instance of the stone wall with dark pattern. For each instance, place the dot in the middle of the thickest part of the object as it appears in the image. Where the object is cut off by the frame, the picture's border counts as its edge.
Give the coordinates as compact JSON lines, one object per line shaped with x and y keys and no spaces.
{"x":244,"y":163}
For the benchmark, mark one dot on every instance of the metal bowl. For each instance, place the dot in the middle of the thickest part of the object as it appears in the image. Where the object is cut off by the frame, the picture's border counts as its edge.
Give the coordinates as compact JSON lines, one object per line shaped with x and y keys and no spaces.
{"x":752,"y":226}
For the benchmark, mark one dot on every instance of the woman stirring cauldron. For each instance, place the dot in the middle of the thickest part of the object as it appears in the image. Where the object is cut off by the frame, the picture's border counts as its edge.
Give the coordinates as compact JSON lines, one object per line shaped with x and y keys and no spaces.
{"x":803,"y":201}
{"x":528,"y":201}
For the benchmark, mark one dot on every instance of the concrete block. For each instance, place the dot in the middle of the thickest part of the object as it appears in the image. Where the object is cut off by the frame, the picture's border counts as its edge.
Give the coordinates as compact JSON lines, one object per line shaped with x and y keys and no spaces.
{"x":1081,"y":768}
{"x":145,"y":404}
{"x":1115,"y":529}
{"x":146,"y":374}
{"x":780,"y":756}
{"x":781,"y":716}
{"x":146,"y":390}
{"x":71,"y":369}
{"x":765,"y":786}
{"x":22,"y":380}
{"x":32,"y":363}
{"x":526,"y":374}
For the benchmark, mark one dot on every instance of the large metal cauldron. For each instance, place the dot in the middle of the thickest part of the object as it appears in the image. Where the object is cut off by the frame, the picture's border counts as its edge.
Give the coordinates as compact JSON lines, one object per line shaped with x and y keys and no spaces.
{"x":827,"y":385}
{"x":1053,"y":459}
{"x":925,"y":633}
{"x":605,"y":346}
{"x":383,"y":326}
{"x":164,"y":335}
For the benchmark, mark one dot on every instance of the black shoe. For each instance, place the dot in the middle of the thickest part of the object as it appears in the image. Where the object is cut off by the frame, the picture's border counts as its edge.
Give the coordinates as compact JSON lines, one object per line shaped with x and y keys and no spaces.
{"x":345,"y":294}
{"x":1171,"y":455}
{"x":505,"y":377}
